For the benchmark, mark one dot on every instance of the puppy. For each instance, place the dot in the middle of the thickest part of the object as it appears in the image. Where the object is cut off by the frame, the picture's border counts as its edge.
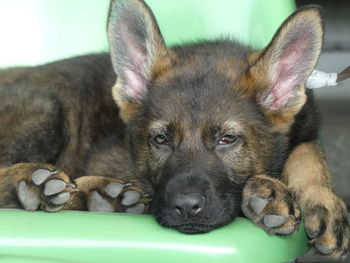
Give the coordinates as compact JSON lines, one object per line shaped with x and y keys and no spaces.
{"x":203,"y":130}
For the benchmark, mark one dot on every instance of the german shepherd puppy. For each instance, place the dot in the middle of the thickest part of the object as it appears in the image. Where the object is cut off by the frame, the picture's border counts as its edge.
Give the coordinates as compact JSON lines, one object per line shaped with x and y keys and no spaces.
{"x":204,"y":130}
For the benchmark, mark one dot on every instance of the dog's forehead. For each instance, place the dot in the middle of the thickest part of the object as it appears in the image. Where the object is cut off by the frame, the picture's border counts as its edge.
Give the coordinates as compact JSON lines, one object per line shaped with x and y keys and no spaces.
{"x":203,"y":87}
{"x":201,"y":100}
{"x":203,"y":71}
{"x":194,"y":93}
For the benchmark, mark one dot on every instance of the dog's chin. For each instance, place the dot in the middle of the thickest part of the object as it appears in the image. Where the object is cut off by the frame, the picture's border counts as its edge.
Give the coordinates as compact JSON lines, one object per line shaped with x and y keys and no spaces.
{"x":193,"y":227}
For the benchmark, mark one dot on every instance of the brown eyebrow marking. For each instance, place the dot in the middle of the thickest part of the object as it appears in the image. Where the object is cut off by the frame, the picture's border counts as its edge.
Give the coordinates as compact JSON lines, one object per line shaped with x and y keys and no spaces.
{"x":158,"y":126}
{"x":233,"y":126}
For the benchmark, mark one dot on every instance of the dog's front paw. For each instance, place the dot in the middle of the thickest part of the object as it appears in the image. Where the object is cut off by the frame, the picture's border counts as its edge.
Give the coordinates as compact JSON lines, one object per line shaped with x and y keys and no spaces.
{"x":326,"y":224}
{"x":268,"y":203}
{"x":44,"y":188}
{"x":105,"y":194}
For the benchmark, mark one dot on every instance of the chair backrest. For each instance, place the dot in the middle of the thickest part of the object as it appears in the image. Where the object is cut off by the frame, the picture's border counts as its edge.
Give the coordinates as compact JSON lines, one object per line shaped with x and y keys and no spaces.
{"x":39,"y":31}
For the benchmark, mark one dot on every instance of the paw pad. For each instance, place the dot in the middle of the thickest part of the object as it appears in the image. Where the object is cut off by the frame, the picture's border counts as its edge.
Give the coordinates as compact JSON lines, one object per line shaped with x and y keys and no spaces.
{"x":117,"y":197}
{"x":130,"y":198}
{"x":60,"y":198}
{"x":40,"y":175}
{"x":99,"y":204}
{"x":114,"y":189}
{"x":324,"y":250}
{"x":54,"y":186}
{"x":258,"y":204}
{"x":29,"y":199}
{"x":274,"y":220}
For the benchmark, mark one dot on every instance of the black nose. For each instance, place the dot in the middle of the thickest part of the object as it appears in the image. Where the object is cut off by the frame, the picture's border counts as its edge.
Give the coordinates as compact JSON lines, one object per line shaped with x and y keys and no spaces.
{"x":188,"y":205}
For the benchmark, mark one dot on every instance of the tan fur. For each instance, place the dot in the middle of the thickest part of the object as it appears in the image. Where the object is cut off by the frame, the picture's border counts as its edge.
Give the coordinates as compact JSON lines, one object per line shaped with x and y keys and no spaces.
{"x":229,"y":67}
{"x":254,"y":56}
{"x":310,"y":179}
{"x":312,"y":171}
{"x":306,"y":173}
{"x":163,"y":63}
{"x":127,"y":108}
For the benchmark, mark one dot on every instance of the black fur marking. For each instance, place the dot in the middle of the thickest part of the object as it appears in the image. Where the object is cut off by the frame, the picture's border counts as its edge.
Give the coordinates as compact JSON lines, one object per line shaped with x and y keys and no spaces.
{"x":307,"y":122}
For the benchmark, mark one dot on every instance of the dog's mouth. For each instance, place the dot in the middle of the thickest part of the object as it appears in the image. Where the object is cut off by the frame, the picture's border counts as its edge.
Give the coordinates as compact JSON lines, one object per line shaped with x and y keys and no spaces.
{"x":194,"y":228}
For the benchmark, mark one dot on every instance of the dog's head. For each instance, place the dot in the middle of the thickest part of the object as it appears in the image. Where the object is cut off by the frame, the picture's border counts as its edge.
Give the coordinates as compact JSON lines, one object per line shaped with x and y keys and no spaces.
{"x":203,"y":118}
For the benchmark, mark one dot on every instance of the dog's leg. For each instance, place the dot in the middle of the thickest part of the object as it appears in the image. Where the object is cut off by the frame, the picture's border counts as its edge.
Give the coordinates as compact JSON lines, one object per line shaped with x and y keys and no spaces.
{"x":34,"y":186}
{"x":307,"y":176}
{"x":109,"y":194}
{"x":268,"y":203}
{"x":110,"y":183}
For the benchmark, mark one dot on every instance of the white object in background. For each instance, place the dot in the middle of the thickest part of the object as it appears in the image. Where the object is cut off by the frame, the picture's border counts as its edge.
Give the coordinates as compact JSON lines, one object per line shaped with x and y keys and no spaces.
{"x":320,"y":79}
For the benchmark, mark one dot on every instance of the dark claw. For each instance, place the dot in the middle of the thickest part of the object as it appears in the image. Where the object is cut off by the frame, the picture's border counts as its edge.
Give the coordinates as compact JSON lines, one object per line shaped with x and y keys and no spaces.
{"x":71,"y":185}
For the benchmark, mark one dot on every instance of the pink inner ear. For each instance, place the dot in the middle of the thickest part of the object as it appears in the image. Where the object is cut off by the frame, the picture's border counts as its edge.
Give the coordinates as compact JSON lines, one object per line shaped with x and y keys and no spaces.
{"x":286,"y":75}
{"x":135,"y":60}
{"x":135,"y":86}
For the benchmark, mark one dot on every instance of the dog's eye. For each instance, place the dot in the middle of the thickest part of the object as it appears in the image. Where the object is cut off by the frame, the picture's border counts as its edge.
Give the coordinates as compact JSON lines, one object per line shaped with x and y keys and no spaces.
{"x":228,"y":139}
{"x":160,"y":139}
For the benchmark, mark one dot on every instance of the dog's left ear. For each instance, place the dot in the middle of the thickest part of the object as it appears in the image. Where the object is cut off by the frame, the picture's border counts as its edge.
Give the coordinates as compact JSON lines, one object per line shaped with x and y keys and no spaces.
{"x":281,"y":70}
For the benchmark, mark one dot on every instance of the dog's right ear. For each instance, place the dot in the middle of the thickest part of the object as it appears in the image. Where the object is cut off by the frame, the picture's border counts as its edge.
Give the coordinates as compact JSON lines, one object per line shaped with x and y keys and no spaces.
{"x":137,"y":50}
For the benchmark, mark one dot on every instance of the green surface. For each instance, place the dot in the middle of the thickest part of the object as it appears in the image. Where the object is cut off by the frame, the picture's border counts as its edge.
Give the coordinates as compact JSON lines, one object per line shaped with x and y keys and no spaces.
{"x":252,"y":22}
{"x":96,"y":237}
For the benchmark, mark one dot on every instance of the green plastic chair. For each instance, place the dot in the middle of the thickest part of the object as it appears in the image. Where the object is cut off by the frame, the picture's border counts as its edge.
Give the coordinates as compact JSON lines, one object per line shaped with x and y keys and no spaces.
{"x":64,"y":28}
